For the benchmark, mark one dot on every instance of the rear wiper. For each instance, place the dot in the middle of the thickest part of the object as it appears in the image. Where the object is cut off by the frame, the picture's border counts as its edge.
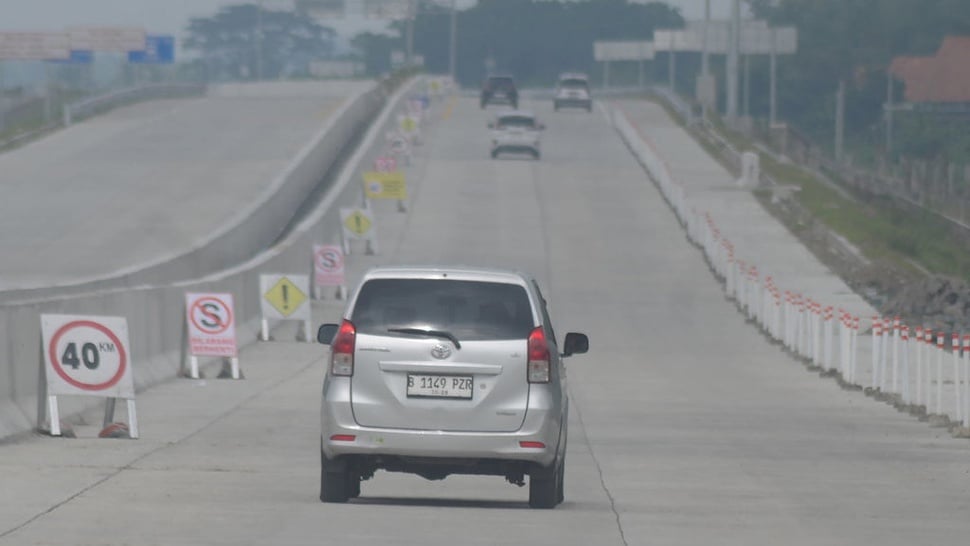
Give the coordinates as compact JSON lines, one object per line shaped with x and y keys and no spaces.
{"x":433,"y":333}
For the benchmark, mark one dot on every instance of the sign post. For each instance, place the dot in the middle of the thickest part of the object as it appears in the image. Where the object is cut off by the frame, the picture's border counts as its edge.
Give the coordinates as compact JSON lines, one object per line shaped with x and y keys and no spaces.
{"x":358,"y":224}
{"x":285,"y":297}
{"x":386,"y":185}
{"x":211,"y":324}
{"x":87,"y":356}
{"x":328,"y":269}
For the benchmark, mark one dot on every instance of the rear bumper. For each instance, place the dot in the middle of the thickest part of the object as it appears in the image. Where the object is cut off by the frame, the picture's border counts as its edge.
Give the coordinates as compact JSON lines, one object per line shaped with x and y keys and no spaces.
{"x":516,"y":148}
{"x":542,"y":423}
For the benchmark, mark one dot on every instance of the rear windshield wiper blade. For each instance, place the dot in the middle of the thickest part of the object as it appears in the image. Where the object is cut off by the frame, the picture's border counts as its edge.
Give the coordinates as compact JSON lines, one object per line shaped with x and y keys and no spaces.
{"x":433,"y":333}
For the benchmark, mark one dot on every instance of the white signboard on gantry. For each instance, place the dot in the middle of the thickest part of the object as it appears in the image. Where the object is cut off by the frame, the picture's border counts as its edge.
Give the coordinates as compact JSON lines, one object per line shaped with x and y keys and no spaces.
{"x":756,"y":39}
{"x":119,"y":39}
{"x":386,"y":9}
{"x":34,"y":46}
{"x":623,"y":51}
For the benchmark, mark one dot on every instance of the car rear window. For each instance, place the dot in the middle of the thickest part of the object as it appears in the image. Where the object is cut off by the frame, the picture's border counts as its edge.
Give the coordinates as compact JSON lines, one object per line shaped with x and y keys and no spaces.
{"x":516,"y":121}
{"x":574,"y":84}
{"x":501,"y":83}
{"x":471,"y":310}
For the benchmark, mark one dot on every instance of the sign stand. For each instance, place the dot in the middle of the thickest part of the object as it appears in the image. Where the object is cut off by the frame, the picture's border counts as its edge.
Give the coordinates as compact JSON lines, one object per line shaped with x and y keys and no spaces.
{"x":88,"y":356}
{"x":328,"y":270}
{"x":356,"y":224}
{"x":285,"y":297}
{"x":210,"y":324}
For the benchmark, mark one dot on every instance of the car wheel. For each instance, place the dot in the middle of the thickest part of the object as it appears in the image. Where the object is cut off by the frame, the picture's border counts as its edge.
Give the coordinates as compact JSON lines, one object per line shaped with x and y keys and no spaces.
{"x":562,"y":481}
{"x":494,"y":154}
{"x":545,"y":486}
{"x":334,"y":481}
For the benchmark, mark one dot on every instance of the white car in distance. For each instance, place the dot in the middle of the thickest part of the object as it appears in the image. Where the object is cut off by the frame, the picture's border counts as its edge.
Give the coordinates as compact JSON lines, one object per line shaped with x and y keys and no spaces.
{"x":516,"y":131}
{"x":572,"y":91}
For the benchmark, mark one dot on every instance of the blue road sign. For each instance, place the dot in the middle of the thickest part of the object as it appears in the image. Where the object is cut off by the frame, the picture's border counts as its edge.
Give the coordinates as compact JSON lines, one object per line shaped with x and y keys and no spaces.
{"x":158,"y":50}
{"x":78,"y":56}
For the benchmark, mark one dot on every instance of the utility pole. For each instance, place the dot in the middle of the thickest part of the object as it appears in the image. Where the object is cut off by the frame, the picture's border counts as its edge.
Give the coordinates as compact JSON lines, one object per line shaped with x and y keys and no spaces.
{"x":732,"y":62}
{"x":839,"y":120}
{"x":409,"y":34}
{"x":259,"y":40}
{"x":453,"y":41}
{"x":705,"y":66}
{"x":889,"y":114}
{"x":772,"y":92}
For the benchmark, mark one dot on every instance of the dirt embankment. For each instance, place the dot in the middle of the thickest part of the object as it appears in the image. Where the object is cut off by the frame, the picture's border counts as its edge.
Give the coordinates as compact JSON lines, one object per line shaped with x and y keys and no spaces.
{"x":918,"y":298}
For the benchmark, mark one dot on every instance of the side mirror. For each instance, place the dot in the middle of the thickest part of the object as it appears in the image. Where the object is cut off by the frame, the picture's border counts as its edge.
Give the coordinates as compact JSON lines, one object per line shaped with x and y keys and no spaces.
{"x":575,"y":344}
{"x":326,"y":333}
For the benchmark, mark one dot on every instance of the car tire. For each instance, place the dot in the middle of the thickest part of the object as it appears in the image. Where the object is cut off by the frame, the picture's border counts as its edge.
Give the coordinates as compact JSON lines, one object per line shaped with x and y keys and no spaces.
{"x":545,"y":486}
{"x":562,"y":481}
{"x":494,"y":154}
{"x":555,"y":107}
{"x":334,"y":481}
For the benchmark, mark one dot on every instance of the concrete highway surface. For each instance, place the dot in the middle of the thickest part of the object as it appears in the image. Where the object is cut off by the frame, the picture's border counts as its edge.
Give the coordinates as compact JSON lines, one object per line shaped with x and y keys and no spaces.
{"x":686,"y":426}
{"x":149,"y":180}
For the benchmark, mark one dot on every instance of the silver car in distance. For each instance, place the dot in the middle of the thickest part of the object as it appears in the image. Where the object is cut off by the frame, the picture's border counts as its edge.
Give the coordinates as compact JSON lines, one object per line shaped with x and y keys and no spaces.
{"x":516,"y":131}
{"x":439,"y":371}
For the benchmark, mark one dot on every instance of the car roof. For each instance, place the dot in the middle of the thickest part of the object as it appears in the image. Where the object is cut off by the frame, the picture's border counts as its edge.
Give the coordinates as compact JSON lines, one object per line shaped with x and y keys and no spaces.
{"x":465,"y":273}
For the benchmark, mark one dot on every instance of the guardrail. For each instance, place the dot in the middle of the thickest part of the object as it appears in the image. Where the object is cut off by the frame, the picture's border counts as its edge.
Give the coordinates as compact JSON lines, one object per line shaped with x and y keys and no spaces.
{"x":86,"y":108}
{"x":89,"y":107}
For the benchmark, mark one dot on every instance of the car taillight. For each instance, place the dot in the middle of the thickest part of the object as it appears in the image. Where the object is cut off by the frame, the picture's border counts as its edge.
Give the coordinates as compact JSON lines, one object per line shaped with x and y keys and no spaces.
{"x":538,"y":367}
{"x":342,"y":350}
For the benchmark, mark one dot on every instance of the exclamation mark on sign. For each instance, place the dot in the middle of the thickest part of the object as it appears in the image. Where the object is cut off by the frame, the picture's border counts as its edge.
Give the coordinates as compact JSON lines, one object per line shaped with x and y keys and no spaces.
{"x":357,"y":221}
{"x":286,"y":298}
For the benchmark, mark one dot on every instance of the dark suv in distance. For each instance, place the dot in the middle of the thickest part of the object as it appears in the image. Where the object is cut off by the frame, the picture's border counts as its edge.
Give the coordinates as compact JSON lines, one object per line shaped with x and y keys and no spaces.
{"x":499,"y":90}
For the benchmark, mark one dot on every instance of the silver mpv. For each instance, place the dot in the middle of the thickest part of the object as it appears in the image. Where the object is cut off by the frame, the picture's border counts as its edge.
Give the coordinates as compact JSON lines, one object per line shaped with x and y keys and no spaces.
{"x":439,"y":371}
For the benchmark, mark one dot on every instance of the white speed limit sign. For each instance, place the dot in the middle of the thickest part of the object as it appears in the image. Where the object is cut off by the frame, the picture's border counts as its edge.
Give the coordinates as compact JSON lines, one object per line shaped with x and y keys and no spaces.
{"x":87,"y":356}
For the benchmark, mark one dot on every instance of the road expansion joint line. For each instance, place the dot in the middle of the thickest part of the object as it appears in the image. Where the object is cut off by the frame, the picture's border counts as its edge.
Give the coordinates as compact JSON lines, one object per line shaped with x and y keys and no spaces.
{"x":131,"y":464}
{"x":599,"y":471}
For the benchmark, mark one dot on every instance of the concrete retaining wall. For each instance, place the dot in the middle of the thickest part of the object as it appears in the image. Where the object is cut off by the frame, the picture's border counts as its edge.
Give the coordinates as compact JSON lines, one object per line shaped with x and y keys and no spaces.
{"x":155,"y":311}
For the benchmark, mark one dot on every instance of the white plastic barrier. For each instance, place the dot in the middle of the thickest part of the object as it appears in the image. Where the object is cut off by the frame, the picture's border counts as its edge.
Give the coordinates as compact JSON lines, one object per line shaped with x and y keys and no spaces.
{"x":807,"y":328}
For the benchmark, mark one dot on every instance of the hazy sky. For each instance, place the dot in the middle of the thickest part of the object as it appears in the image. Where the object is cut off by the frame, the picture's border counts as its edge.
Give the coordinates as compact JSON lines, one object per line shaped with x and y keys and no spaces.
{"x":171,"y":16}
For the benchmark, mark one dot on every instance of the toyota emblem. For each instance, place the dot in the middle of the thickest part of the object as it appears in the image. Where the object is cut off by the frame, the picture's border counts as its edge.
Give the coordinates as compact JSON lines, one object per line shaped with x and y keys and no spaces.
{"x":441,"y":352}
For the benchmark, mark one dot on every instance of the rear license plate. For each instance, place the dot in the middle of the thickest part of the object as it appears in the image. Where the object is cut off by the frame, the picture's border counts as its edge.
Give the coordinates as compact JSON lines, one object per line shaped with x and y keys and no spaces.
{"x":439,"y":386}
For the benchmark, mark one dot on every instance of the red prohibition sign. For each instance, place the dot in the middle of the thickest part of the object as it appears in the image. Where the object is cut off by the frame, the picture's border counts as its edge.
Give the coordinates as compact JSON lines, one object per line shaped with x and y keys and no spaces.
{"x":329,"y":259}
{"x":59,"y":366}
{"x":221,"y":325}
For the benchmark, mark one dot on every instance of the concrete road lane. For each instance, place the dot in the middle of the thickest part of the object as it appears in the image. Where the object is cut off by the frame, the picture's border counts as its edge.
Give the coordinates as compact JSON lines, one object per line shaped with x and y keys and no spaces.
{"x":149,"y":180}
{"x":687,"y":427}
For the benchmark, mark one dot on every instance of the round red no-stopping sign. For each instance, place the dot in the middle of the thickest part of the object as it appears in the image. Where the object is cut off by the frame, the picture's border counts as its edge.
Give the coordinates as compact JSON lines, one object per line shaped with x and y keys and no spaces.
{"x":83,"y":333}
{"x":207,"y":318}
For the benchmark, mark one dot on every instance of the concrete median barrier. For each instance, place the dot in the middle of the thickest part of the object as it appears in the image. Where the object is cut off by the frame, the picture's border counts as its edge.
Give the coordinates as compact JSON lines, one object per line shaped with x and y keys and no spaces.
{"x":261,"y":241}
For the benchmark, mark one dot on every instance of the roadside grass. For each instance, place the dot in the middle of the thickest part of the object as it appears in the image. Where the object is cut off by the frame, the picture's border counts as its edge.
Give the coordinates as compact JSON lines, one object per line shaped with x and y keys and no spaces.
{"x":884,"y":231}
